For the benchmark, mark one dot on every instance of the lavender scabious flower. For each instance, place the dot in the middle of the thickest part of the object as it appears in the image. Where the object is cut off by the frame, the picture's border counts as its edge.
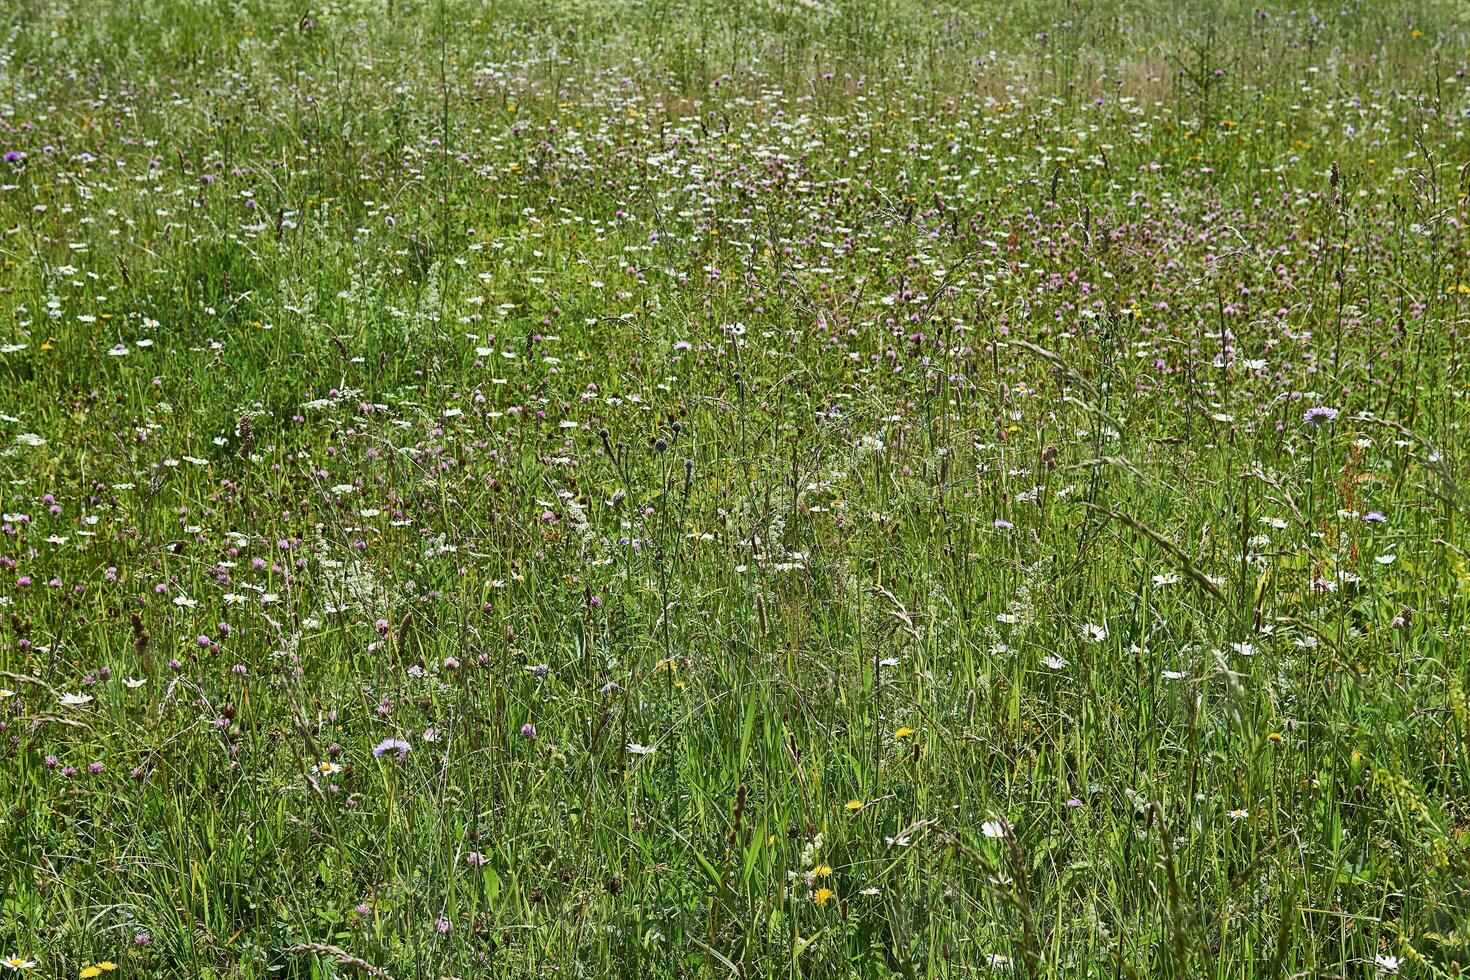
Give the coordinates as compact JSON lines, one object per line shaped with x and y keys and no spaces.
{"x":390,"y":745}
{"x":1319,"y":415}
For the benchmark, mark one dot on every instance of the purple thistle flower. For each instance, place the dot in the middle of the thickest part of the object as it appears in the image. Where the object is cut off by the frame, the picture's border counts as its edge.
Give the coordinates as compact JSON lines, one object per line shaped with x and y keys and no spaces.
{"x":528,"y":731}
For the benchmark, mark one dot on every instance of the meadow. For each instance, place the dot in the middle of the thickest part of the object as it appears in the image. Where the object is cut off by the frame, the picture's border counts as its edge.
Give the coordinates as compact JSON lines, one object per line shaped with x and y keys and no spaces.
{"x":734,"y":488}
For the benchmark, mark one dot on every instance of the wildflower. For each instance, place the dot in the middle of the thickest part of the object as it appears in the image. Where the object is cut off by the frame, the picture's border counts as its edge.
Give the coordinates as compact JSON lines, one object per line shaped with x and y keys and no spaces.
{"x":1093,"y":633}
{"x":822,"y":895}
{"x":994,"y":829}
{"x":1319,"y":415}
{"x":902,"y":733}
{"x":1387,"y":963}
{"x":1054,"y":662}
{"x":853,"y":806}
{"x":18,"y":963}
{"x":822,"y":871}
{"x":528,"y":731}
{"x":637,"y":749}
{"x":1240,"y":814}
{"x":1274,"y":737}
{"x":328,"y":768}
{"x":75,"y":700}
{"x":390,"y":745}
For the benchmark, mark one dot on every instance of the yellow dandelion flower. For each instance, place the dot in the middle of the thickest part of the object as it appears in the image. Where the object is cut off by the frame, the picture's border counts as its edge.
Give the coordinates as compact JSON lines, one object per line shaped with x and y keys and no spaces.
{"x":903,"y":732}
{"x":822,"y":871}
{"x":854,"y":805}
{"x":91,"y":971}
{"x":821,"y":895}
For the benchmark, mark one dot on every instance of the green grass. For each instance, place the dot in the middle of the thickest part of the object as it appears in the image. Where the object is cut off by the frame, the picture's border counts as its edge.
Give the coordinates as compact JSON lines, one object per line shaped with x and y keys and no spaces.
{"x":822,"y":490}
